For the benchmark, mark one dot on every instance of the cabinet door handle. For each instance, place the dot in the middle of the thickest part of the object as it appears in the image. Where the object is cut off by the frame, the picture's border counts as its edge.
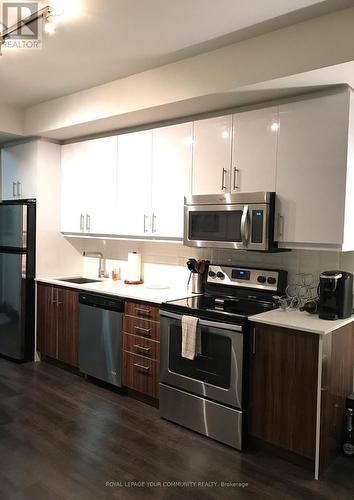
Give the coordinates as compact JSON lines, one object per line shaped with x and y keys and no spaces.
{"x":88,"y":223}
{"x":144,"y":331}
{"x":14,"y":184}
{"x":19,"y":188}
{"x":59,"y":303}
{"x":281,"y":226}
{"x":142,"y":367}
{"x":145,"y":222}
{"x":142,"y":311}
{"x":254,"y":342}
{"x":236,"y":184}
{"x":82,"y":222}
{"x":153,"y":223}
{"x":142,"y":348}
{"x":223,"y":183}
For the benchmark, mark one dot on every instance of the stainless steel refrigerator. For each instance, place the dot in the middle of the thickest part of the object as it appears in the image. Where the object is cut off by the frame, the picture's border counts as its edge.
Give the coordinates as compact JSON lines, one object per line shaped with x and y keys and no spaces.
{"x":17,"y":273}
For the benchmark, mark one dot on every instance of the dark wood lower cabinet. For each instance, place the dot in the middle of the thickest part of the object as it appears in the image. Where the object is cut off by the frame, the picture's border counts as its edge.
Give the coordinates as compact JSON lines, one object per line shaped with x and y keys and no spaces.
{"x":47,"y":321}
{"x":283,"y":388}
{"x":58,"y":323}
{"x":141,"y":374}
{"x":69,"y":329}
{"x":298,"y":384}
{"x":141,"y":348}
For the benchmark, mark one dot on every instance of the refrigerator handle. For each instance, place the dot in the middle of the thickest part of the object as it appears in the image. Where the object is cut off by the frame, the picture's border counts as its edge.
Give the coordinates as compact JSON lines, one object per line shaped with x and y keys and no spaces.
{"x":14,"y":184}
{"x":24,"y":266}
{"x":54,"y":301}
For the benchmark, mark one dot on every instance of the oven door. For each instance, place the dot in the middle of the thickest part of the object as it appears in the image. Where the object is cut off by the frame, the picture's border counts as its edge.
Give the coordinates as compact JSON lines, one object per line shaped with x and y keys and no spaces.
{"x":216,"y":372}
{"x":244,"y":227}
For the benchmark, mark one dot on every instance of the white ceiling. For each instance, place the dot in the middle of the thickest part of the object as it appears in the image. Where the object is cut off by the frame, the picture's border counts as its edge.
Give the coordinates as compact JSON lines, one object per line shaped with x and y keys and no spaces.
{"x":98,"y":41}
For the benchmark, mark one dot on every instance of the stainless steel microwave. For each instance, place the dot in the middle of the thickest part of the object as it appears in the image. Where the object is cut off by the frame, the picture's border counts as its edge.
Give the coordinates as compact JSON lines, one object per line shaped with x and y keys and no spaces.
{"x":241,"y":221}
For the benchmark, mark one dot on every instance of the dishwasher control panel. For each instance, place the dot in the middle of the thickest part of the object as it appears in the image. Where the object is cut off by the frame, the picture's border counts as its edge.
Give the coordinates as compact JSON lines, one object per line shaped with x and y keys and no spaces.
{"x":102,"y":302}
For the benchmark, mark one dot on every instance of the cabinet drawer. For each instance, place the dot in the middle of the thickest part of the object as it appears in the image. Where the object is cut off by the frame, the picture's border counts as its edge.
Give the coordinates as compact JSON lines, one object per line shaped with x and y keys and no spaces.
{"x":141,"y":327}
{"x":141,"y":374}
{"x":142,"y":346}
{"x":144,"y":311}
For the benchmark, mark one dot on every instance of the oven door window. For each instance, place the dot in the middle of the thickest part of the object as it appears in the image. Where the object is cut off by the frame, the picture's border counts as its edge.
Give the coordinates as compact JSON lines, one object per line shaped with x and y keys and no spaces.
{"x":215,"y":225}
{"x":212,"y":365}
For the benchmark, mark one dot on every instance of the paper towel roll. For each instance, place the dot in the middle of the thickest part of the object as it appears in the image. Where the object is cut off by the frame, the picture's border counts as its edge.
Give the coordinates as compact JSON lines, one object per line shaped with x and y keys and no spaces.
{"x":133,"y":267}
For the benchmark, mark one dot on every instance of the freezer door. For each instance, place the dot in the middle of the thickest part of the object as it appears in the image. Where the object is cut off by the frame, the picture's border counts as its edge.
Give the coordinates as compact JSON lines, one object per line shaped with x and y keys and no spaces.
{"x":12,"y":304}
{"x":13,"y":225}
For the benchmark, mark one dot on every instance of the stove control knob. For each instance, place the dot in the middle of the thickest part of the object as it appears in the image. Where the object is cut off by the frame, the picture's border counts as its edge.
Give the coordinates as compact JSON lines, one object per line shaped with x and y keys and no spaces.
{"x":271,"y":281}
{"x":261,"y":279}
{"x":212,"y":274}
{"x":220,"y":275}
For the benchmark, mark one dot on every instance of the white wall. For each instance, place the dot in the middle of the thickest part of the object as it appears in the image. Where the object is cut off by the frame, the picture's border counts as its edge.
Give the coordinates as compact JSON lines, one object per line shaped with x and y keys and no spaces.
{"x":11,"y":120}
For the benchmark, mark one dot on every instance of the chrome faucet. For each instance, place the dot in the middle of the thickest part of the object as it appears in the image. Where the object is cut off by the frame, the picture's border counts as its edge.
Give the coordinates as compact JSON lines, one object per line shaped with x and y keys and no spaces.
{"x":102,"y":271}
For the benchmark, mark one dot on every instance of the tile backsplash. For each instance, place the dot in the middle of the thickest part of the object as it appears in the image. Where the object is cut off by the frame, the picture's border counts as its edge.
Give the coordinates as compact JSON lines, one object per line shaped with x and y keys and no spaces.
{"x":160,"y":259}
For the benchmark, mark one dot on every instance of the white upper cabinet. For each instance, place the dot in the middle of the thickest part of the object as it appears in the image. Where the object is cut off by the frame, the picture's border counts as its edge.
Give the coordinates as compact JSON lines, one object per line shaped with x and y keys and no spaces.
{"x":101,"y":185}
{"x":89,"y":186}
{"x":134,"y":184}
{"x":314,"y":183}
{"x":254,"y":150}
{"x":73,"y":190}
{"x":236,"y":154}
{"x":171,"y":178}
{"x":19,"y":171}
{"x":212,"y":155}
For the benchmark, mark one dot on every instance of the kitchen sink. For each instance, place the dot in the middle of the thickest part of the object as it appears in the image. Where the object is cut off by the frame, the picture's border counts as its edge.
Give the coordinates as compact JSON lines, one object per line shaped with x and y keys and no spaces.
{"x":79,"y":280}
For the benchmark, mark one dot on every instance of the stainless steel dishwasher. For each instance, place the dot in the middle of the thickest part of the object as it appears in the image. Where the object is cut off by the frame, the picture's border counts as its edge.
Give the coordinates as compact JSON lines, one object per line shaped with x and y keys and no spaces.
{"x":101,"y":322}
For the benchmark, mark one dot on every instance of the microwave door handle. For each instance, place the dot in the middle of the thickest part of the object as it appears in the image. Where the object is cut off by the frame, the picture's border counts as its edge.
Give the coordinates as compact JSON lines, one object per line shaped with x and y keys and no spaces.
{"x":244,"y":229}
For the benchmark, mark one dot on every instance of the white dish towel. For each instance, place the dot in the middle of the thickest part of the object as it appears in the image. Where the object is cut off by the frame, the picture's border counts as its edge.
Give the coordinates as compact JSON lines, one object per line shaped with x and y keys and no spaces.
{"x":191,"y":341}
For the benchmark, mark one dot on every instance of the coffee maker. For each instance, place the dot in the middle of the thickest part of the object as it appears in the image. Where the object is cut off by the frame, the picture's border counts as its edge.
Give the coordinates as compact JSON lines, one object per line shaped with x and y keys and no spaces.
{"x":335,"y":295}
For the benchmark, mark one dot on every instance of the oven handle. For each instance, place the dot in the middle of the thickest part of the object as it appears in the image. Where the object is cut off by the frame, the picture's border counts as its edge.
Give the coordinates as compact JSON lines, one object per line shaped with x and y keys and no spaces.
{"x":202,"y":322}
{"x":244,"y":217}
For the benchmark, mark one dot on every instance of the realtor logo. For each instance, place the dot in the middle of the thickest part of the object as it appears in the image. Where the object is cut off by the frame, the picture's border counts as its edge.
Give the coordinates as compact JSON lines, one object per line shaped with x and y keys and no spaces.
{"x":13,"y":12}
{"x":27,"y":36}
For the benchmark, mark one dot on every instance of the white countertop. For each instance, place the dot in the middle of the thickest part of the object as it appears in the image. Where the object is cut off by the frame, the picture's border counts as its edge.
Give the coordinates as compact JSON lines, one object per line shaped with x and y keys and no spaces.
{"x":119,"y":289}
{"x":299,"y":320}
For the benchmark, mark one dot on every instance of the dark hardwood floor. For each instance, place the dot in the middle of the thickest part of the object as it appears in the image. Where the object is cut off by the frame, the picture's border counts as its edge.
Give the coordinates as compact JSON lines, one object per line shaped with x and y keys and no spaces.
{"x":62,"y":437}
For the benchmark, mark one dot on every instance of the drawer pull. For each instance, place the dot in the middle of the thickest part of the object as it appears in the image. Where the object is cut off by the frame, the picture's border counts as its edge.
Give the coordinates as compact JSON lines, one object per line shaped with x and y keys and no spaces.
{"x":142,"y":367}
{"x":142,"y":348}
{"x":144,"y":312}
{"x":144,"y":331}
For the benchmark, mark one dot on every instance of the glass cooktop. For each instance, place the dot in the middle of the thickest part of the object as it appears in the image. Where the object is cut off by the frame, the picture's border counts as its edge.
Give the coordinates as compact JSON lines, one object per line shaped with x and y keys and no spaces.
{"x":213,"y":307}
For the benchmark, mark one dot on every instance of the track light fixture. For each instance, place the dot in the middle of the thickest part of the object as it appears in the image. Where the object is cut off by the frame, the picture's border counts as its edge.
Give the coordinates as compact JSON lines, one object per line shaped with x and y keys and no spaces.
{"x":49,"y":24}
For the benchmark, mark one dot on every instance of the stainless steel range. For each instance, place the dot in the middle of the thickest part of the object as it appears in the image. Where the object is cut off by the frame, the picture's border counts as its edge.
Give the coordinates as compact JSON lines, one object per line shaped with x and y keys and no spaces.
{"x":207,"y":394}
